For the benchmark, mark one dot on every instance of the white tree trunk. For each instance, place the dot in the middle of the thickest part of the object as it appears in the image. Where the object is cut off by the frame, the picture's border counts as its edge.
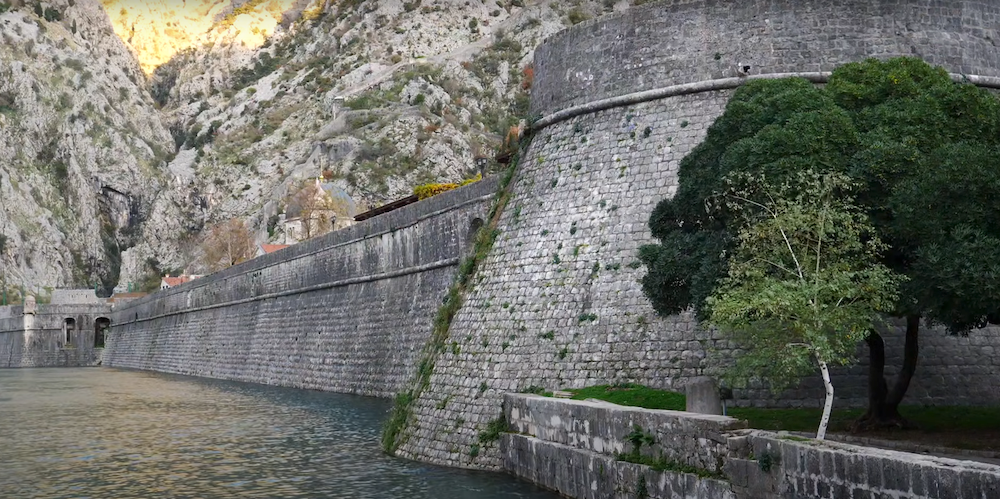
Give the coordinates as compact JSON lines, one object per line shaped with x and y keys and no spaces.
{"x":828,"y":407}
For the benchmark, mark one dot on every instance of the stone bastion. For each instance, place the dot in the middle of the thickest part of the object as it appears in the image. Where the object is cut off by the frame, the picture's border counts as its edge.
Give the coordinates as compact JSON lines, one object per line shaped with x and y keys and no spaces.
{"x":622,"y":99}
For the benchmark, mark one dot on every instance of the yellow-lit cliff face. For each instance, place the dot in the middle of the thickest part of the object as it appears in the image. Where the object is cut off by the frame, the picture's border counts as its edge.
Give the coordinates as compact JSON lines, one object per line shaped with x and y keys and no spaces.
{"x":157,"y":30}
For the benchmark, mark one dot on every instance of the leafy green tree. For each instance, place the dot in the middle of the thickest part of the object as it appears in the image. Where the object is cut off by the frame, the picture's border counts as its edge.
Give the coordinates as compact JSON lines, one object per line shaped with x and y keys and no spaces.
{"x":923,"y":149}
{"x":804,"y":284}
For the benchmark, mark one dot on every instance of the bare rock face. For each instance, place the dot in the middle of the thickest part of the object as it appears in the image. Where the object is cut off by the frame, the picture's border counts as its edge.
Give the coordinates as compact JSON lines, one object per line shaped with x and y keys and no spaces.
{"x":81,"y":146}
{"x":128,"y":126}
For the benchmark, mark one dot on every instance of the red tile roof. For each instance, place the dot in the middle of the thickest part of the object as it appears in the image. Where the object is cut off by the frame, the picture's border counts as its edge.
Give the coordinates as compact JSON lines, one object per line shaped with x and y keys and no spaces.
{"x":176,"y":281}
{"x":271,"y":248}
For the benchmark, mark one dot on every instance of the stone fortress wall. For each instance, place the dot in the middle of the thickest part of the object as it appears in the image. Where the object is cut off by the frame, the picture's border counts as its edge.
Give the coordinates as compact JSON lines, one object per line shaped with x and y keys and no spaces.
{"x":346,"y":312}
{"x":623,"y":98}
{"x":67,"y":334}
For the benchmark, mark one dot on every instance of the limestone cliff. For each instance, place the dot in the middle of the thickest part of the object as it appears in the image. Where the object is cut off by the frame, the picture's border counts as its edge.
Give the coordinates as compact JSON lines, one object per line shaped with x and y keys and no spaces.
{"x":146,"y":120}
{"x":82,"y":147}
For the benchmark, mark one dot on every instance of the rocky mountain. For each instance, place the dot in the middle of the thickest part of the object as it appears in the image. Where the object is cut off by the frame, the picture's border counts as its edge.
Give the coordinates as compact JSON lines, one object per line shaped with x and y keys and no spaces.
{"x":129,"y":126}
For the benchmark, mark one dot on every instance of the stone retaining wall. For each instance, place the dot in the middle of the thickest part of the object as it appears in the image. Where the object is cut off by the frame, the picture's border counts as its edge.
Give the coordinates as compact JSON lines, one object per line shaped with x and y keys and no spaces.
{"x":571,"y":446}
{"x":345,"y":312}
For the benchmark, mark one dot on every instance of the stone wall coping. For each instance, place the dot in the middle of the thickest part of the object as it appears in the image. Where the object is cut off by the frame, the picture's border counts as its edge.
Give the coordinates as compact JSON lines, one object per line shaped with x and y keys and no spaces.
{"x":818,"y":77}
{"x":906,"y":446}
{"x":71,"y":309}
{"x":374,"y":227}
{"x":874,"y":452}
{"x":531,"y":399}
{"x":9,"y":311}
{"x":327,"y":285}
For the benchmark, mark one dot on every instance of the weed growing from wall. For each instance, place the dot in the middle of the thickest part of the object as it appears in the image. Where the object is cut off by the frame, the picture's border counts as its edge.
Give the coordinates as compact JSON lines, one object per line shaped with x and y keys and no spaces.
{"x":393,"y":434}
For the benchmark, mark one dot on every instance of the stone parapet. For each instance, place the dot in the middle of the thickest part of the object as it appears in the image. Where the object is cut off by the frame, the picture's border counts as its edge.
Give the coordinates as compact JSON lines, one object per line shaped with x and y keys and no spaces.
{"x":676,"y":42}
{"x":574,"y":447}
{"x":698,"y":440}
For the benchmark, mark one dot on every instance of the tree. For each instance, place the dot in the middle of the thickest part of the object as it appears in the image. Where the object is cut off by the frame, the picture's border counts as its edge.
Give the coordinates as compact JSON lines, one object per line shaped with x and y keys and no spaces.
{"x":804,"y":284}
{"x":911,"y":138}
{"x":316,"y":209}
{"x":227,"y":244}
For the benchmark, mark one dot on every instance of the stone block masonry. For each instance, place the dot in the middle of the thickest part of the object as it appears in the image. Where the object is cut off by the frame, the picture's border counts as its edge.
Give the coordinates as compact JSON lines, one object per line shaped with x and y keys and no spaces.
{"x":345,"y":312}
{"x":557,"y":302}
{"x":573,"y":447}
{"x":62,"y":335}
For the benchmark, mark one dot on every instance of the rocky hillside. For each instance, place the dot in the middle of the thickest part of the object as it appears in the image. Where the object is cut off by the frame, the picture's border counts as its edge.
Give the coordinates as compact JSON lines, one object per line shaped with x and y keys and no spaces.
{"x":82,"y":147}
{"x":117,"y":151}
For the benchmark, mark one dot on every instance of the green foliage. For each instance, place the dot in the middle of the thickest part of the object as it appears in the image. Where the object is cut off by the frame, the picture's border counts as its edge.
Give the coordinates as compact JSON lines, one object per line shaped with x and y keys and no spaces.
{"x":537,"y":390}
{"x":911,"y":138}
{"x":393,"y":432}
{"x":661,"y":463}
{"x":398,"y":418}
{"x":577,"y":15}
{"x":50,"y":14}
{"x":8,"y":102}
{"x":804,"y":278}
{"x":493,"y":430}
{"x":639,"y":437}
{"x":263,"y":65}
{"x":385,"y":96}
{"x":486,"y":66}
{"x":197,"y":138}
{"x":633,"y":395}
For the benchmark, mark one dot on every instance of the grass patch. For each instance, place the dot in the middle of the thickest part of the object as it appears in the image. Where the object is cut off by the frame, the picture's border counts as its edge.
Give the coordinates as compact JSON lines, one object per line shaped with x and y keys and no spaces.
{"x":633,"y":395}
{"x":661,"y":463}
{"x":928,"y":419}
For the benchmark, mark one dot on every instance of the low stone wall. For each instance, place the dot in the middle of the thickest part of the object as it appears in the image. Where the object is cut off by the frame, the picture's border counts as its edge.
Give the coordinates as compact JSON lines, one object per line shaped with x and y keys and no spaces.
{"x":763,"y":466}
{"x":347,"y":312}
{"x":588,"y":475}
{"x":571,"y":446}
{"x":698,"y":440}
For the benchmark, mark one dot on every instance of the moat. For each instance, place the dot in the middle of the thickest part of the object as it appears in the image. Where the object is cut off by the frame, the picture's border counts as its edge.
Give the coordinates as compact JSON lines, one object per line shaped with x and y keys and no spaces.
{"x":93,"y":432}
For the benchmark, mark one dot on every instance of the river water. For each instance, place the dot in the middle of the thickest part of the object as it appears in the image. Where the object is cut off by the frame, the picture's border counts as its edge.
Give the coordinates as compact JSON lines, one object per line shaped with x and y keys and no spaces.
{"x":104,"y":433}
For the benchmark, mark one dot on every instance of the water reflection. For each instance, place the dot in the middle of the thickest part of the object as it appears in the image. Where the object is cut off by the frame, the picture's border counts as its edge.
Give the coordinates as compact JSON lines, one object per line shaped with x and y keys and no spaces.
{"x":103,"y":433}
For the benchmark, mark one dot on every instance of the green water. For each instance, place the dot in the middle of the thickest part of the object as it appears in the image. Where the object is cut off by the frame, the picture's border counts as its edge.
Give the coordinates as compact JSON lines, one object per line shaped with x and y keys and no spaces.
{"x":105,"y":433}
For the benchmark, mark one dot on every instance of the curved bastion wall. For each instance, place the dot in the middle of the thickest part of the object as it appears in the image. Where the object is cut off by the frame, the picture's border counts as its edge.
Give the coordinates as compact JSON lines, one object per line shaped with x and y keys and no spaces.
{"x":557,"y":302}
{"x":347,"y":312}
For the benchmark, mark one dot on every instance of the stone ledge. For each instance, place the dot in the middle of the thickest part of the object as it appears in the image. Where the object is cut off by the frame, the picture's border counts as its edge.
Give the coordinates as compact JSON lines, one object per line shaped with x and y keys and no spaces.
{"x":584,"y":474}
{"x":699,"y":440}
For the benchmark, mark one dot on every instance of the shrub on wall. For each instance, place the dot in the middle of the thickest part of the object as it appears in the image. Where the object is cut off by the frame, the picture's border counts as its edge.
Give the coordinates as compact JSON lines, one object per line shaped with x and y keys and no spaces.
{"x":427,"y":190}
